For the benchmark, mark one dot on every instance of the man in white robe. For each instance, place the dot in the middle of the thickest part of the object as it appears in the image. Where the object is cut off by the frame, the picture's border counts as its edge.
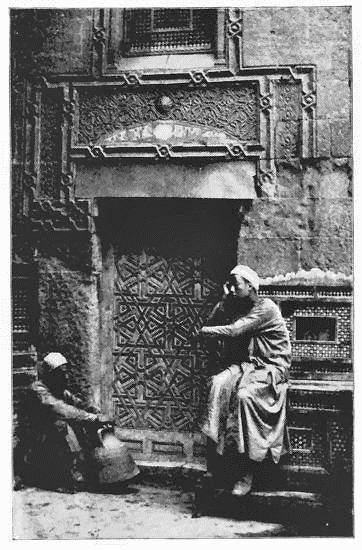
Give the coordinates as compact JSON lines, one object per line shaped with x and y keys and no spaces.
{"x":253,"y":388}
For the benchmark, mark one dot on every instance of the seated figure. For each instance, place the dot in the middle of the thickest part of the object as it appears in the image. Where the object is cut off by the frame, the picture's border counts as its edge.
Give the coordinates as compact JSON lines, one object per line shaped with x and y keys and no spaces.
{"x":62,"y":432}
{"x":253,"y":388}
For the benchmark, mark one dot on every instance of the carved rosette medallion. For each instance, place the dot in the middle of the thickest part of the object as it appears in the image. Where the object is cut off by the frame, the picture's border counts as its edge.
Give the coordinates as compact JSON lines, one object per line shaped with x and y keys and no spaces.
{"x":164,"y":104}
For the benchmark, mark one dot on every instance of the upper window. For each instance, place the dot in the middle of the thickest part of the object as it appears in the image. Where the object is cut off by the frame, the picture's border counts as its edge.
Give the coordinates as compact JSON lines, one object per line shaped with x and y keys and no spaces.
{"x":159,"y":31}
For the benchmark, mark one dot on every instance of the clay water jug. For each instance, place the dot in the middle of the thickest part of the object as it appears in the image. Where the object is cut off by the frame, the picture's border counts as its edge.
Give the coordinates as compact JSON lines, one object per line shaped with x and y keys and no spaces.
{"x":113,"y":462}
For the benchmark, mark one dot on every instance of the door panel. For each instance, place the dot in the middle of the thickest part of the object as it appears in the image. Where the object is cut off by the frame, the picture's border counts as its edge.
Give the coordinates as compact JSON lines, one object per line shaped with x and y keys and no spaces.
{"x":168,"y":275}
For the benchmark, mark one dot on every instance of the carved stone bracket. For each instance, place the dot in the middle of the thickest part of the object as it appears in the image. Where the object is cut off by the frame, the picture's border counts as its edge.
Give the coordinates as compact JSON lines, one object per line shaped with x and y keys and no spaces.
{"x":266,"y":180}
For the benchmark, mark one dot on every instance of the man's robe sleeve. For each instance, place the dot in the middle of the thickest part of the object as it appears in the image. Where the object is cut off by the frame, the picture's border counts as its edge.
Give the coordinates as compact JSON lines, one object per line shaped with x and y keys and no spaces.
{"x":72,"y":399}
{"x":250,"y":323}
{"x":59,"y":407}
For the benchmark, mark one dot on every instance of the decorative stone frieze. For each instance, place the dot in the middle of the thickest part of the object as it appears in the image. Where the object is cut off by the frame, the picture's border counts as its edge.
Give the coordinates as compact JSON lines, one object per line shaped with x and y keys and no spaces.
{"x":217,"y":115}
{"x":232,"y":108}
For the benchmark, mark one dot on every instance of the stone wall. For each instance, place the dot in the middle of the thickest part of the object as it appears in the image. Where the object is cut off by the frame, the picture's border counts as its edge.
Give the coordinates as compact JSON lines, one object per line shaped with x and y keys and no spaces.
{"x":68,"y":306}
{"x":310,"y":223}
{"x":53,"y":41}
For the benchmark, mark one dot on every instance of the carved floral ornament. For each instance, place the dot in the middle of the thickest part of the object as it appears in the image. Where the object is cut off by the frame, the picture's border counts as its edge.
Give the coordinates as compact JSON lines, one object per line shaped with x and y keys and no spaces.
{"x":174,"y":122}
{"x":232,"y":109}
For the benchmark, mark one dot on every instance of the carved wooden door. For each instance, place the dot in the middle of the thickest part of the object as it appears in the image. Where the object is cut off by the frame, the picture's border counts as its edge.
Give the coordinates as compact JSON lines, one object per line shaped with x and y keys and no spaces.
{"x":170,"y":265}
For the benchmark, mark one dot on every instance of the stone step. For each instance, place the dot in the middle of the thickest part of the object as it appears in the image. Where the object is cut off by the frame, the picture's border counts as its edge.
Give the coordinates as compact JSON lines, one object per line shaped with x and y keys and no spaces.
{"x":310,"y":506}
{"x":270,"y":477}
{"x":310,"y":513}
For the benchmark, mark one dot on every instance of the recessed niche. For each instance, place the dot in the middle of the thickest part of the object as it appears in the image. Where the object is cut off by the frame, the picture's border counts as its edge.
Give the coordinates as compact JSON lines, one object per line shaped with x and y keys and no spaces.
{"x":316,"y":329}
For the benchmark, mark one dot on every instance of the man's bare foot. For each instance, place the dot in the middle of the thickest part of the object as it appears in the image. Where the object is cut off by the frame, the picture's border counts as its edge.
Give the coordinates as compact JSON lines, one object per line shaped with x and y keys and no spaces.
{"x":243,"y":486}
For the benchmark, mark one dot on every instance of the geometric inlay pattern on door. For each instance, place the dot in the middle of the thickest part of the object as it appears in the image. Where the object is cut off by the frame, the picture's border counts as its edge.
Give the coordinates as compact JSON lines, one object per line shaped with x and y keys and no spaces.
{"x":159,"y":377}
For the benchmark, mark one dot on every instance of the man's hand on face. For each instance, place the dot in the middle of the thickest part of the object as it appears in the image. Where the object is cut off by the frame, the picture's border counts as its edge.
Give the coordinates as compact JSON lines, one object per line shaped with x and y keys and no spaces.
{"x":226,"y":290}
{"x":229,"y":291}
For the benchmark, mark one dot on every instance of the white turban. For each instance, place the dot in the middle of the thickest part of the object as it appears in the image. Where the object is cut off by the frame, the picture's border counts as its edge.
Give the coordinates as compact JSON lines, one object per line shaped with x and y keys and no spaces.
{"x":248,"y":274}
{"x":54,"y":360}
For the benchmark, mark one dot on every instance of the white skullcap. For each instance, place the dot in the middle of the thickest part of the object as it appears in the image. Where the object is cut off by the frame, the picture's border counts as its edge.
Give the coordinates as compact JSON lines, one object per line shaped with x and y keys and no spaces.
{"x":248,"y":274}
{"x":54,"y":360}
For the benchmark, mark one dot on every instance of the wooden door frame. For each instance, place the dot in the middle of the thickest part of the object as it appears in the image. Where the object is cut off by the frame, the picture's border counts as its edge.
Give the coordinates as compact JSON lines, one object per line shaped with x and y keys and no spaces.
{"x":145,"y":444}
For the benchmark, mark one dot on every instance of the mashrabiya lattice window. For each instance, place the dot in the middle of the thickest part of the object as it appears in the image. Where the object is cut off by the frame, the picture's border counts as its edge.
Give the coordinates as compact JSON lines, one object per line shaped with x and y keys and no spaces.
{"x":158,"y":31}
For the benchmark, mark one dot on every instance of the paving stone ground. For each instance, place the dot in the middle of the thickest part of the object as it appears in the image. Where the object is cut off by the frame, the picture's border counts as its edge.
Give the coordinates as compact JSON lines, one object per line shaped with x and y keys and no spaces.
{"x":141,"y":512}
